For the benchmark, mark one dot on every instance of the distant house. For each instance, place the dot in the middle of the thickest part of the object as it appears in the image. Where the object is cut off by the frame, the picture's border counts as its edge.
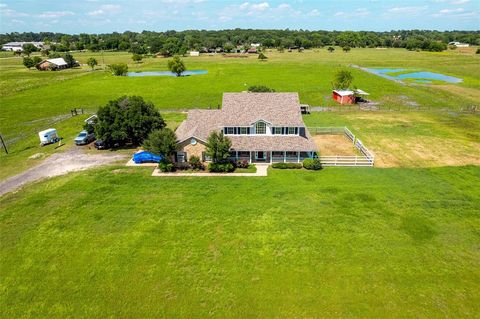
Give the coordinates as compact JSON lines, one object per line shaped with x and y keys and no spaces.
{"x":194,"y":53}
{"x":252,"y":50}
{"x":348,"y":96}
{"x":52,"y":64}
{"x":263,"y":127}
{"x":18,"y":46}
{"x":255,"y":45}
{"x":458,"y":44}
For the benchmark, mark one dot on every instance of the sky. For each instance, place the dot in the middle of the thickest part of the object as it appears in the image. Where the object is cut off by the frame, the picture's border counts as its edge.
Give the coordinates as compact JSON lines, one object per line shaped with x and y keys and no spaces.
{"x":102,"y":16}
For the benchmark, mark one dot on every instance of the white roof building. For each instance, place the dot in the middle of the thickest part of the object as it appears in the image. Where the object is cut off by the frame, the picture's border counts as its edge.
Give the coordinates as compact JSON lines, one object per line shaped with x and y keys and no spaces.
{"x":57,"y":61}
{"x":18,"y":46}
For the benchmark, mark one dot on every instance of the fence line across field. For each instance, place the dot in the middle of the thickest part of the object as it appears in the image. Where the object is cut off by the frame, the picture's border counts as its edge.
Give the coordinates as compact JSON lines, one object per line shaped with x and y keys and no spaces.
{"x":337,"y":160}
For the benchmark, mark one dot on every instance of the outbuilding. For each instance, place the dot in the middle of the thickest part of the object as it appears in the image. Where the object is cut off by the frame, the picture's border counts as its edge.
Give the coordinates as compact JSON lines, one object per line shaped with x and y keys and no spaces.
{"x":52,"y":64}
{"x":344,"y":96}
{"x":349,"y":96}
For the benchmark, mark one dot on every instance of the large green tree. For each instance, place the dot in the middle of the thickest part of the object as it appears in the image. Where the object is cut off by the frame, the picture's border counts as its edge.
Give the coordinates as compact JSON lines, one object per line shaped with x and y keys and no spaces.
{"x":71,"y":62}
{"x":218,"y":147}
{"x":176,"y":65}
{"x":28,"y":48}
{"x":137,"y":58}
{"x":162,"y":142}
{"x":28,"y":62}
{"x":119,"y":69}
{"x":343,"y":79}
{"x":127,"y":119}
{"x":92,"y":62}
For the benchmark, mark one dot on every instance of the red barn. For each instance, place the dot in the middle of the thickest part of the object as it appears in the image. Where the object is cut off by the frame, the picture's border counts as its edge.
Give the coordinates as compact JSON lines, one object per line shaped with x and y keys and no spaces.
{"x":349,"y":96}
{"x":344,"y":96}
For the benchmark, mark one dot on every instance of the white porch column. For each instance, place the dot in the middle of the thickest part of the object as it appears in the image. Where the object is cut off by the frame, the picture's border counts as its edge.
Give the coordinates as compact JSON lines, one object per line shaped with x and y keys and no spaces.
{"x":298,"y":156}
{"x":250,"y":157}
{"x":284,"y":156}
{"x":271,"y":157}
{"x":236,"y":155}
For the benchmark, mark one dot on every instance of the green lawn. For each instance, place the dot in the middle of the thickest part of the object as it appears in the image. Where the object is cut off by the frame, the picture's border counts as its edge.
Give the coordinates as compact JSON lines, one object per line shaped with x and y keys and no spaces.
{"x":28,"y":95}
{"x":397,"y":240}
{"x":337,"y":243}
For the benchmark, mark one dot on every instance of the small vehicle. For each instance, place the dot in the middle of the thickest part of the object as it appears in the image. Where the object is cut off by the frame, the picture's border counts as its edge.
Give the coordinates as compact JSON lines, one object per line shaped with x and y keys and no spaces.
{"x":84,"y":138}
{"x":146,"y":157}
{"x":48,"y":136}
{"x":100,"y":145}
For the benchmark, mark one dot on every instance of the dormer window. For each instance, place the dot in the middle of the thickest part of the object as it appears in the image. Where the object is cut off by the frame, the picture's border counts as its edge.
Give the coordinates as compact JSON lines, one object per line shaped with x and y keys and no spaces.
{"x":261,"y":128}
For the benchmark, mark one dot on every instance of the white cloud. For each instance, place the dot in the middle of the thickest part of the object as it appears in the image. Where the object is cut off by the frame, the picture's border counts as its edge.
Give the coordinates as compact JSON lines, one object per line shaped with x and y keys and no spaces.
{"x":460,"y":1}
{"x":95,"y":12}
{"x":244,"y":6}
{"x":55,"y":14}
{"x":407,"y":10}
{"x":448,"y":11}
{"x":314,"y":13}
{"x":357,"y":13}
{"x":17,"y":21}
{"x":105,"y":9}
{"x":361,"y":12}
{"x":7,"y":12}
{"x":284,"y":6}
{"x":260,"y":6}
{"x":110,"y":7}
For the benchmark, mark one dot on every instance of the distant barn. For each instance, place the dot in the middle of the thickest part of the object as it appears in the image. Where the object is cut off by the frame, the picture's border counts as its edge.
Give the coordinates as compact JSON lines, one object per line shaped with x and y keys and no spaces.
{"x":52,"y":64}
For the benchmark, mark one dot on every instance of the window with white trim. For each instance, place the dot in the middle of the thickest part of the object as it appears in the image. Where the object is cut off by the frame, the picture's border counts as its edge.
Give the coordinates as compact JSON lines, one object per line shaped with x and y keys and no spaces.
{"x":229,"y":130}
{"x":277,"y":130}
{"x":260,"y":128}
{"x":291,"y":131}
{"x":181,"y":157}
{"x":244,"y":130}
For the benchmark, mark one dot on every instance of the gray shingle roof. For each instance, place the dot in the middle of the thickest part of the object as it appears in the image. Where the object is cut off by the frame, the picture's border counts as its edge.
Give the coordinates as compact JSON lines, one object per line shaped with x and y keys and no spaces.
{"x":244,"y":109}
{"x":279,"y":109}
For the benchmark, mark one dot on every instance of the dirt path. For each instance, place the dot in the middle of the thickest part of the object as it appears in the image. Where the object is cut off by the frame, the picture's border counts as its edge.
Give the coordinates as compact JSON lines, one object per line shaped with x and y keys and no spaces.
{"x":58,"y":164}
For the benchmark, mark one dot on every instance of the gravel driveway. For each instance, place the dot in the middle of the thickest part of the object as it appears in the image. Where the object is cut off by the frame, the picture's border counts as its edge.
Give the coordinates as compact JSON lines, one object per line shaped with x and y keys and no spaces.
{"x":74,"y":159}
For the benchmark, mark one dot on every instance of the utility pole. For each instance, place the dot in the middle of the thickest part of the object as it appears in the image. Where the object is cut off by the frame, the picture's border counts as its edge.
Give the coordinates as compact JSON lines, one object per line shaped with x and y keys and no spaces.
{"x":3,"y":143}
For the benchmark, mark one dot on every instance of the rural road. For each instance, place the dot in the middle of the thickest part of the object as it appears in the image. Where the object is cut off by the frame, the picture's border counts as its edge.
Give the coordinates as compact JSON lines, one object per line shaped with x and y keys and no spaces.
{"x":74,"y":159}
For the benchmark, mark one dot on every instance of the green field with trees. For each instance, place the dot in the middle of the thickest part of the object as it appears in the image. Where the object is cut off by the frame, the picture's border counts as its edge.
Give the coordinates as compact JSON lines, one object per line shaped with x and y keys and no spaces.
{"x":397,"y":240}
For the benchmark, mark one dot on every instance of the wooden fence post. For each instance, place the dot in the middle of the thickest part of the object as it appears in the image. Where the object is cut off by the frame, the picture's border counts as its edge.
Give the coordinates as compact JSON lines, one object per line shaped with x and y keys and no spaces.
{"x":3,"y":143}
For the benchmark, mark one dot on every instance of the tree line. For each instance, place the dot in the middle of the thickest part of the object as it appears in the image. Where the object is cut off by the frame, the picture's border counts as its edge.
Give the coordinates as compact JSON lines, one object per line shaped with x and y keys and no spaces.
{"x":179,"y":42}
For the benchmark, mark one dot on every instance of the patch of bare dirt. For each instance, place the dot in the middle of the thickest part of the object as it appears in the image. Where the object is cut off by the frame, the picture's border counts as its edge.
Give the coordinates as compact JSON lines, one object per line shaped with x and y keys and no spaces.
{"x":334,"y":145}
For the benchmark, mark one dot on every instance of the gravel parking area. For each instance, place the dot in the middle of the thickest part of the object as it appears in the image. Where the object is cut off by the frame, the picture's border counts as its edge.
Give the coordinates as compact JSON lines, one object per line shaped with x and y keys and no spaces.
{"x":74,"y":159}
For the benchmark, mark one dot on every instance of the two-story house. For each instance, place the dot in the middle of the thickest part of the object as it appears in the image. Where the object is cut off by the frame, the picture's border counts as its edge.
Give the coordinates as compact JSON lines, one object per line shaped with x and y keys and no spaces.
{"x":263,"y":127}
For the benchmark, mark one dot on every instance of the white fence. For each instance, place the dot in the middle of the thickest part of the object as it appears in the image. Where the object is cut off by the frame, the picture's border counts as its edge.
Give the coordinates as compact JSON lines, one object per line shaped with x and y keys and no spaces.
{"x":366,"y":159}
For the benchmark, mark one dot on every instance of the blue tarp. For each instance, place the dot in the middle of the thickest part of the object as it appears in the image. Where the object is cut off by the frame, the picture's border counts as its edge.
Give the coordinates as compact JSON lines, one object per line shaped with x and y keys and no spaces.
{"x":146,"y":157}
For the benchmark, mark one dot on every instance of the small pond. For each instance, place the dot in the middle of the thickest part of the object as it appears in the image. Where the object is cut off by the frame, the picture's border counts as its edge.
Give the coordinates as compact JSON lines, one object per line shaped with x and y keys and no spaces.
{"x":418,"y":77}
{"x":166,"y":73}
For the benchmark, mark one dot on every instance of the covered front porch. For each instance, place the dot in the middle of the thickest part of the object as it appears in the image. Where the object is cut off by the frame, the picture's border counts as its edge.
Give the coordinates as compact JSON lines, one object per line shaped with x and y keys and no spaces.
{"x":271,"y":156}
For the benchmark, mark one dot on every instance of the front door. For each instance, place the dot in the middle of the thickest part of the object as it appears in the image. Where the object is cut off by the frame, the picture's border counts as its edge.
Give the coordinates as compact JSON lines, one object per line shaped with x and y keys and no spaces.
{"x":260,"y":156}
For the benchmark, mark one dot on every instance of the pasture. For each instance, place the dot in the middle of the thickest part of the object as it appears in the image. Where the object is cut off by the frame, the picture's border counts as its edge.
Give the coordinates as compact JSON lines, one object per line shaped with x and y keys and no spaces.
{"x":349,"y":243}
{"x":397,"y":240}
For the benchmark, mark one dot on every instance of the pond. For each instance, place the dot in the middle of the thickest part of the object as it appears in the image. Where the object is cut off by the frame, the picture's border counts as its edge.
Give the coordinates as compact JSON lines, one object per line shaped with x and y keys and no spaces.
{"x":417,"y":76}
{"x":166,"y":73}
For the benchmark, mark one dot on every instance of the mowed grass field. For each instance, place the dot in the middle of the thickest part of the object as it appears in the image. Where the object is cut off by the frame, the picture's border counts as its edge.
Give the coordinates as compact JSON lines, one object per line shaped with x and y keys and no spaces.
{"x":28,"y":95}
{"x":397,"y":240}
{"x":339,"y":243}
